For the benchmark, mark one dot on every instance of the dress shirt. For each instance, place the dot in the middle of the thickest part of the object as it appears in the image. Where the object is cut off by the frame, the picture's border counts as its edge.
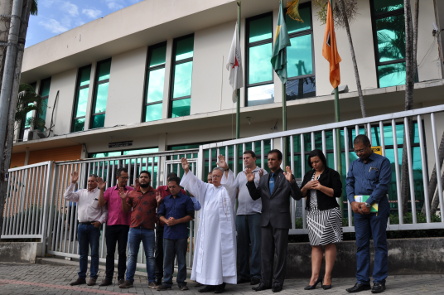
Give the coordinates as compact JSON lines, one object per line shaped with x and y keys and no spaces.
{"x":144,"y":208}
{"x":116,"y":215}
{"x":164,"y":191}
{"x":246,"y":205}
{"x":371,"y":178}
{"x":88,"y":208}
{"x":177,"y":208}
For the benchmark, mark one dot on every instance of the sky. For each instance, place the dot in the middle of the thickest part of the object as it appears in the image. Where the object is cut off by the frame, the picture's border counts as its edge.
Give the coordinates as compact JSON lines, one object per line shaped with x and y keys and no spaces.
{"x":57,"y":16}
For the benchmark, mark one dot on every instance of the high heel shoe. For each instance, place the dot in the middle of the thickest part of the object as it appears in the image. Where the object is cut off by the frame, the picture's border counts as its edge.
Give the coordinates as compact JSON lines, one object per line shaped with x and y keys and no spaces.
{"x":326,"y":287}
{"x":311,"y":287}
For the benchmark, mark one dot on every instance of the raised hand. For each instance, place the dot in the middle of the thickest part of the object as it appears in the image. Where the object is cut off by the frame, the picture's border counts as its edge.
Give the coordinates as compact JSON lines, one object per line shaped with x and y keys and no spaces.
{"x":261,"y":172}
{"x":100,"y":183}
{"x":122,"y":193}
{"x":221,"y":162}
{"x":185,"y":165}
{"x":288,"y":174}
{"x":158,"y":197}
{"x":74,"y":177}
{"x":249,"y":173}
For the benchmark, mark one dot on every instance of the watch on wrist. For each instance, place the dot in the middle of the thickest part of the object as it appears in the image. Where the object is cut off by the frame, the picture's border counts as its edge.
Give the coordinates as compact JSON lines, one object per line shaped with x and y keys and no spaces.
{"x":368,"y":205}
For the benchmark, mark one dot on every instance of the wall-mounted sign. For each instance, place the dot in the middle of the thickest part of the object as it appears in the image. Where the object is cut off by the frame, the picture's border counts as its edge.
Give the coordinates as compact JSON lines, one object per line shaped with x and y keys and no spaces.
{"x":377,"y":150}
{"x":119,"y":144}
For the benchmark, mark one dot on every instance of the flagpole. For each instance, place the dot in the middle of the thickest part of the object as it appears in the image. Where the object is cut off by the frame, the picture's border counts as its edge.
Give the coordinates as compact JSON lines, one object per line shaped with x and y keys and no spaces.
{"x":337,"y":133}
{"x":238,"y":90}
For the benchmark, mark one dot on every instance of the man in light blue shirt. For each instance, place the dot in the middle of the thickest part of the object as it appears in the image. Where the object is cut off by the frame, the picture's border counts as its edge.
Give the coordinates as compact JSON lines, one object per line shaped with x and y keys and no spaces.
{"x":369,"y":175}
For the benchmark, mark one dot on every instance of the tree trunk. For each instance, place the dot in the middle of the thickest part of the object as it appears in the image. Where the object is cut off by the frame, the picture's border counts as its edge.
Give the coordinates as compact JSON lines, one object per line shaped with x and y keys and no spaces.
{"x":5,"y":21}
{"x":353,"y":55}
{"x":408,"y":102}
{"x":5,"y":159}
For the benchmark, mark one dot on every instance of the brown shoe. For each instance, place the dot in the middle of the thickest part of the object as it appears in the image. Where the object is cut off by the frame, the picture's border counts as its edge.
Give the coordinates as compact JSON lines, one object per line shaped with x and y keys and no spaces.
{"x":126,"y":285}
{"x":106,"y":282}
{"x":79,"y":281}
{"x":121,"y":281}
{"x":91,"y":281}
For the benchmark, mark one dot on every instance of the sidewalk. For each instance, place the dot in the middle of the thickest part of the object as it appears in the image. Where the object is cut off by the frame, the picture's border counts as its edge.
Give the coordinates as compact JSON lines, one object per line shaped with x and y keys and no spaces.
{"x":50,"y":277}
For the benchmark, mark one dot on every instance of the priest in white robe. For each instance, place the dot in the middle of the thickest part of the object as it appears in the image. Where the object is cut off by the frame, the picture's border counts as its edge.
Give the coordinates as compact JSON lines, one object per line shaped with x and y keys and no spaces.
{"x":214,"y":261}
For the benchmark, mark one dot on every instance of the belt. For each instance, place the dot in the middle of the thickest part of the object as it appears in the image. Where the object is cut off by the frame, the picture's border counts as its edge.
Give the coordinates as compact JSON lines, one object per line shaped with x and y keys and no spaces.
{"x":86,"y":223}
{"x":142,"y":227}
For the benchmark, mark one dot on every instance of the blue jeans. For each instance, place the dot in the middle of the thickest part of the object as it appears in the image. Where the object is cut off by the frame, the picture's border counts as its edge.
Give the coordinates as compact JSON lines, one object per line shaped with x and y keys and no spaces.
{"x":88,"y":237}
{"x":248,"y":229}
{"x":172,"y":249}
{"x":367,"y":226}
{"x":135,"y":236}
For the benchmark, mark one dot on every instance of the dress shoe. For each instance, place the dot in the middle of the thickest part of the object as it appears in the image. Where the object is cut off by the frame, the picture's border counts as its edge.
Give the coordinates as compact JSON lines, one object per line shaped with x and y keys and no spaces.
{"x":121,"y":281}
{"x":378,"y":287}
{"x":105,"y":282}
{"x":261,"y":287}
{"x":326,"y":287}
{"x":208,"y":288}
{"x":358,"y":287}
{"x":220,"y":288}
{"x":255,"y":281}
{"x":276,"y":288}
{"x":311,"y":287}
{"x":79,"y":281}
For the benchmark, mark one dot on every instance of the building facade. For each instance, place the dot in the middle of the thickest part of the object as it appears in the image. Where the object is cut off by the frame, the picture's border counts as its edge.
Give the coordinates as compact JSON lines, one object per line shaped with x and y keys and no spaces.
{"x":152,"y":76}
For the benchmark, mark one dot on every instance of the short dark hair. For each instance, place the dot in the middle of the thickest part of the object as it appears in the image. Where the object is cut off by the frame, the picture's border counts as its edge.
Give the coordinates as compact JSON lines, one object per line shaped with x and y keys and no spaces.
{"x":317,"y":153}
{"x":277,"y":152}
{"x":171,"y":175}
{"x":361,"y":138}
{"x":146,"y":172}
{"x":93,"y":175}
{"x":252,"y":154}
{"x":120,"y":170}
{"x":175,"y":179}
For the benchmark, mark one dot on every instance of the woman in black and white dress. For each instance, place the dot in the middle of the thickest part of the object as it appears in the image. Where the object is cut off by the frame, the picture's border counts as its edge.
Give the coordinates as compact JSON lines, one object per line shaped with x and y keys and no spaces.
{"x":321,"y":186}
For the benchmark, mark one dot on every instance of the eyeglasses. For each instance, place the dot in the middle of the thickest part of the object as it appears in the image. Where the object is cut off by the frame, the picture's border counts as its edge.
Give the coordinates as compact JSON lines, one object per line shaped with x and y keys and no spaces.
{"x":359,"y":151}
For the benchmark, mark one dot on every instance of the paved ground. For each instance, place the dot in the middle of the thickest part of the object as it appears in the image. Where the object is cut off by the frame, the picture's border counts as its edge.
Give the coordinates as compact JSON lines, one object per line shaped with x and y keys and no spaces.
{"x":50,"y":277}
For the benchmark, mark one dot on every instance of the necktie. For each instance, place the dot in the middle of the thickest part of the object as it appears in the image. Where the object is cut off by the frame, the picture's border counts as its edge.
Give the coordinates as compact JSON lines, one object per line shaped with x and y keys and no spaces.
{"x":271,"y":183}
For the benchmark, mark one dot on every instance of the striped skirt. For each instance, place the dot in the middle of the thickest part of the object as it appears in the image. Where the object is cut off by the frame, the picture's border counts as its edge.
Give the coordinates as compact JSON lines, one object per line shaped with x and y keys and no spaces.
{"x":324,"y":227}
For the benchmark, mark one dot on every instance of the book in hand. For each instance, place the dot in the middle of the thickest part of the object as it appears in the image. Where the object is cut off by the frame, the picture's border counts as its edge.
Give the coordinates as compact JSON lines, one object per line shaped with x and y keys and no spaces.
{"x":363,"y":199}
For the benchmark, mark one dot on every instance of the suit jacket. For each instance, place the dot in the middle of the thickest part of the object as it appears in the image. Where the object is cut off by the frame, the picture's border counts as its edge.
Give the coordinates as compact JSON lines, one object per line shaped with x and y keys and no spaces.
{"x":275,"y":207}
{"x":329,"y":178}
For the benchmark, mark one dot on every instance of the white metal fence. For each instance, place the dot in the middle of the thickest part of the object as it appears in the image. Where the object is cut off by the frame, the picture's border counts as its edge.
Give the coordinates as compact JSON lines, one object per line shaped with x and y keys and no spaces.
{"x":35,"y":207}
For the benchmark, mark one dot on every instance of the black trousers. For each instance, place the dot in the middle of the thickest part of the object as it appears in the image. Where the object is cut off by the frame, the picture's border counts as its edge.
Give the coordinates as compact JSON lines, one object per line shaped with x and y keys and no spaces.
{"x":273,"y":241}
{"x":158,"y":255}
{"x":116,"y":234}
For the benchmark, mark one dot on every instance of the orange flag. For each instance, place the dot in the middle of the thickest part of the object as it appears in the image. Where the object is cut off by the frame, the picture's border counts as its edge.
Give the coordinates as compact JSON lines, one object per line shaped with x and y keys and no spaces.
{"x":329,"y":50}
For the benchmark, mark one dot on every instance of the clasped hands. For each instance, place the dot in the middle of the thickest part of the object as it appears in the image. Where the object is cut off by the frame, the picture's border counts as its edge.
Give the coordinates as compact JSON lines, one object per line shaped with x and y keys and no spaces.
{"x":360,"y":208}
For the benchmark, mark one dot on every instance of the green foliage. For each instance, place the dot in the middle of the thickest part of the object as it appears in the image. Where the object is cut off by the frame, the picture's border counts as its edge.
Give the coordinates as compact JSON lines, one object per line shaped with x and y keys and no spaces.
{"x":29,"y":100}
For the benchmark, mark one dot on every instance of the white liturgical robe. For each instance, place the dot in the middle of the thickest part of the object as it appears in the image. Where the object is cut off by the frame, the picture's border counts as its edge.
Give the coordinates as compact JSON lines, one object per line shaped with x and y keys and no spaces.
{"x":214,"y":260}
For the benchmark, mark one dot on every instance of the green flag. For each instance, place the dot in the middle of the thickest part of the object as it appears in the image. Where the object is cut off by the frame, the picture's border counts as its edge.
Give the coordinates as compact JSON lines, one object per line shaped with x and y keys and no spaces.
{"x":281,"y":40}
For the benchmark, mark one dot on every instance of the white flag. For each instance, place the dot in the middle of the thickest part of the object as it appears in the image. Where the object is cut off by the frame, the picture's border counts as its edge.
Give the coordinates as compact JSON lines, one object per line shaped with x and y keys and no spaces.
{"x":234,"y":64}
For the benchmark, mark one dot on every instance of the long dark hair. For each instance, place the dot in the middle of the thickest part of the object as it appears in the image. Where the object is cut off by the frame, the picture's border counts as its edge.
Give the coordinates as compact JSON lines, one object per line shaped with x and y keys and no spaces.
{"x":317,"y":153}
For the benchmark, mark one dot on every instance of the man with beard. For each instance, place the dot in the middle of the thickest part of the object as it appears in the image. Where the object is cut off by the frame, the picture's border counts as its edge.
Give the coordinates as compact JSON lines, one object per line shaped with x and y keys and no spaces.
{"x":142,"y":200}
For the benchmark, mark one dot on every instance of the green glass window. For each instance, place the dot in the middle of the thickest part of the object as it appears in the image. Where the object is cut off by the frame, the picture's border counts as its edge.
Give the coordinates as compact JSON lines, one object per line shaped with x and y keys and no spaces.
{"x":100,"y":98}
{"x":155,"y":82}
{"x":183,"y":51}
{"x":81,"y":99}
{"x":301,"y":81}
{"x":44,"y":94}
{"x":259,"y":84}
{"x":389,"y":38}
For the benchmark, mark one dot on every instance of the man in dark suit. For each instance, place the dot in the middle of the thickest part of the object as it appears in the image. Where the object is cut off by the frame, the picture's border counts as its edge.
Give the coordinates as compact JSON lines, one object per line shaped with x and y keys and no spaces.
{"x":275,"y":190}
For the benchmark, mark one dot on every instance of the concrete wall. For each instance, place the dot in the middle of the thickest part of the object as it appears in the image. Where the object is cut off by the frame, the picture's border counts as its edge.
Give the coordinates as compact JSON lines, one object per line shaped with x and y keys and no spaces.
{"x":19,"y":251}
{"x":406,"y":256}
